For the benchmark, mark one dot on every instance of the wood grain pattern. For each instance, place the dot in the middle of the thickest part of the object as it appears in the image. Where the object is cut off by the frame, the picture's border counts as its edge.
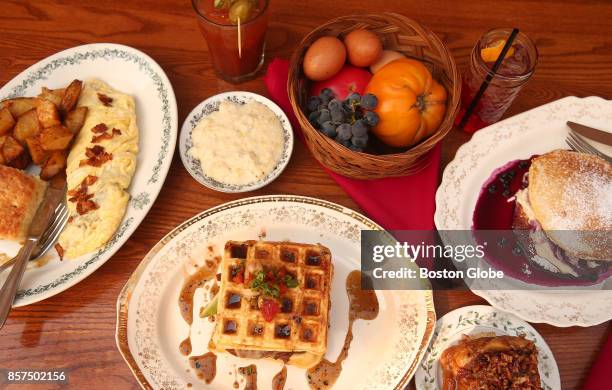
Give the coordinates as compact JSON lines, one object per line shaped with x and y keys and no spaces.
{"x":75,"y":329}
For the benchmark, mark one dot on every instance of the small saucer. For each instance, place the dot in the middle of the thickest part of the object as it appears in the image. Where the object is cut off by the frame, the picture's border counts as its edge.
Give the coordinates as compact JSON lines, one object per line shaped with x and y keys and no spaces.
{"x":206,"y":108}
{"x":477,"y":319}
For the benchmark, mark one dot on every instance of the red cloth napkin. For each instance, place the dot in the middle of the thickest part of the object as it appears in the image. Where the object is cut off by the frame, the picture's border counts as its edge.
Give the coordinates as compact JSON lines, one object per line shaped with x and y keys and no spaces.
{"x":406,"y":202}
{"x":599,"y":377}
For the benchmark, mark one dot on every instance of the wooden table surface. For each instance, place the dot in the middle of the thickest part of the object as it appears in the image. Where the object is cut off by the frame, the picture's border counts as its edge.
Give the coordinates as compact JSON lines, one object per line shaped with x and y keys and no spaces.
{"x":75,"y":330}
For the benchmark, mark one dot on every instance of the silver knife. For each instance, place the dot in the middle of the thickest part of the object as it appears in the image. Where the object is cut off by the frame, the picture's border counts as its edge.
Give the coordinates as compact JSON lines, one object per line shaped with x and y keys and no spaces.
{"x":592,"y":133}
{"x":54,"y":195}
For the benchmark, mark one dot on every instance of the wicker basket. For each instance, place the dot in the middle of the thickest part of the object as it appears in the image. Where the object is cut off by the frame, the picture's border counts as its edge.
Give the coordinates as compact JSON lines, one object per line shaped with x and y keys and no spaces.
{"x":397,"y":33}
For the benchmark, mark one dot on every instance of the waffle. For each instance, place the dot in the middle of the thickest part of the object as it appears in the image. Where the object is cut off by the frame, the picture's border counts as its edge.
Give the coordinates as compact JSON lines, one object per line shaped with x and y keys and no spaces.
{"x":302,"y":322}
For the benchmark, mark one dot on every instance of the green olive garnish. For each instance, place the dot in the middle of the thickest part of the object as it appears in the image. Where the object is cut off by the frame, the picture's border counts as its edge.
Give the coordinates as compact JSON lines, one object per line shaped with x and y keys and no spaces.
{"x":241,"y":9}
{"x":223,"y":3}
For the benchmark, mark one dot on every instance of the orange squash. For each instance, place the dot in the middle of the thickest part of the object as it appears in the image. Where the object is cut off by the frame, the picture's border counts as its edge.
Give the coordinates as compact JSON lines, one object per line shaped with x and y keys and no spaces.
{"x":411,"y":104}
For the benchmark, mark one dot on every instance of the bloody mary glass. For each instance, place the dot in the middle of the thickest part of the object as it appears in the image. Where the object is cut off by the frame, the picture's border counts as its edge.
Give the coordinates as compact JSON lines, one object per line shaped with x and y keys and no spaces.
{"x":236,"y":45}
{"x":515,"y":70}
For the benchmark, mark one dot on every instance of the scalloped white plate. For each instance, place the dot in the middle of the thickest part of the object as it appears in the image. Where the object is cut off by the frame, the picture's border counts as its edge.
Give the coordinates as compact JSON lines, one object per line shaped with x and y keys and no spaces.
{"x":150,"y":326}
{"x":192,"y":165}
{"x":472,"y":320}
{"x":135,"y":73}
{"x":537,"y":131}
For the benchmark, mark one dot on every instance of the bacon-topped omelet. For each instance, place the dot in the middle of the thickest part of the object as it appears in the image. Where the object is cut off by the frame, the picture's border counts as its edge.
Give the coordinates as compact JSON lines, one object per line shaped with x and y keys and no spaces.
{"x":99,"y":169}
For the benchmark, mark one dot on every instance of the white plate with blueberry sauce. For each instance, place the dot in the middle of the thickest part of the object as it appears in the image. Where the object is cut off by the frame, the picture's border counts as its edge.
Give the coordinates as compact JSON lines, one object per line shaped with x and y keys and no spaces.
{"x":534,"y":132}
{"x":236,"y":142}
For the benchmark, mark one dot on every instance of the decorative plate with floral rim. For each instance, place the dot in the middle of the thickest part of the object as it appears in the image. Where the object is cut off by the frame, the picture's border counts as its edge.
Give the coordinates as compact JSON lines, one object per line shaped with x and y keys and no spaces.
{"x":474,"y":320}
{"x":132,"y":72}
{"x":537,"y":131}
{"x":150,"y":327}
{"x":210,"y":105}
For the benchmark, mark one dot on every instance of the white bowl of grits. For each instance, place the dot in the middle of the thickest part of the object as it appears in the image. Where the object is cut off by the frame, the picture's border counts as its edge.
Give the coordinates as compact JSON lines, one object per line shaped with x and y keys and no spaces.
{"x":236,"y":142}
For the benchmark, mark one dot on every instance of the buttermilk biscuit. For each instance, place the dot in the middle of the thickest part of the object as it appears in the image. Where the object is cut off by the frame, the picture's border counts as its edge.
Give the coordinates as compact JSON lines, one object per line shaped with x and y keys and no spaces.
{"x":20,"y":195}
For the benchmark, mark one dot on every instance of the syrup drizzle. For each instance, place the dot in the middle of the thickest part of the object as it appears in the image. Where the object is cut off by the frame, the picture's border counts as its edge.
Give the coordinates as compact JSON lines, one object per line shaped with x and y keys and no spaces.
{"x":193,"y":282}
{"x":250,"y":375}
{"x":185,"y":347}
{"x":363,"y":305}
{"x":278,"y":382}
{"x":235,"y":384}
{"x":205,"y":366}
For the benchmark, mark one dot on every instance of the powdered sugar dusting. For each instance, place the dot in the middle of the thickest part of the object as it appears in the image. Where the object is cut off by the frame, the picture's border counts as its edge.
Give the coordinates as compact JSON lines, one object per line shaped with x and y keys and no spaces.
{"x":589,"y":197}
{"x":582,"y":219}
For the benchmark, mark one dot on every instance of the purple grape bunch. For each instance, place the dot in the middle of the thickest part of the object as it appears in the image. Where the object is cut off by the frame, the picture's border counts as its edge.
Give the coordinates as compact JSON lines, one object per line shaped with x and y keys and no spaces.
{"x":346,"y":121}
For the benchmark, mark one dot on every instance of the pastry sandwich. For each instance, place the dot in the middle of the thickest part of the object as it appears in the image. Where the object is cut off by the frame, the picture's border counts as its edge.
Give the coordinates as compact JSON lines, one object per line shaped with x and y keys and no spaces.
{"x":566,"y":212}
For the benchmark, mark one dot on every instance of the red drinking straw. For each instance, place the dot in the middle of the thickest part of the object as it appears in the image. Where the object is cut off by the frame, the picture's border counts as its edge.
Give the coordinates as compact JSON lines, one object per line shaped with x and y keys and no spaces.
{"x":487,"y":80}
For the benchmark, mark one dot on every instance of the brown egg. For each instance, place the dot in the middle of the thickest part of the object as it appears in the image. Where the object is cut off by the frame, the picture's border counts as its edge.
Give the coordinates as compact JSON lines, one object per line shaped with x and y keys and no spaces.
{"x":324,"y":58}
{"x":386,"y":57}
{"x":364,"y":47}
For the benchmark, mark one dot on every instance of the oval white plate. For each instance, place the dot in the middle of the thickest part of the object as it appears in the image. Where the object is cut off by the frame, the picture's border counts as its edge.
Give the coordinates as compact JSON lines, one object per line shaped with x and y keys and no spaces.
{"x":472,"y":320}
{"x":150,"y":327}
{"x":212,"y":104}
{"x":130,"y":71}
{"x":537,"y":131}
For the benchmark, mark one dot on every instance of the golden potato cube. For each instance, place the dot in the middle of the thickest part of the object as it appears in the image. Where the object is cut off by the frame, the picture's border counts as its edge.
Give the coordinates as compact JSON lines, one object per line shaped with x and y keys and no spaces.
{"x":74,"y":119}
{"x":39,"y":155}
{"x":48,"y":115}
{"x":53,"y":95}
{"x":71,"y":96}
{"x":6,"y":120}
{"x":19,"y":106}
{"x":27,"y":126}
{"x":55,"y":164}
{"x":55,"y":138}
{"x":11,"y":149}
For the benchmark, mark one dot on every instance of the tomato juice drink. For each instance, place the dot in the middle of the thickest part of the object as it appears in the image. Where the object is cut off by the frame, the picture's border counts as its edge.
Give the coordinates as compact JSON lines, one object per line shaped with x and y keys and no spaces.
{"x":235,"y":31}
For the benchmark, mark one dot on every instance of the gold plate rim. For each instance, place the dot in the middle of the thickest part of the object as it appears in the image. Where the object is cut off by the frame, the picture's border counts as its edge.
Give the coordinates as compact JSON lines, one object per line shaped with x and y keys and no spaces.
{"x":124,"y":297}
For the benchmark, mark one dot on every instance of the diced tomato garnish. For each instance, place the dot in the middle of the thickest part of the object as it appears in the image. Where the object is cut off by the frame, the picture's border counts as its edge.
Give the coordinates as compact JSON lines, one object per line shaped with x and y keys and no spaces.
{"x":269,"y":276}
{"x":282,"y":288}
{"x":281,"y":274}
{"x":269,"y":309}
{"x":238,"y":278}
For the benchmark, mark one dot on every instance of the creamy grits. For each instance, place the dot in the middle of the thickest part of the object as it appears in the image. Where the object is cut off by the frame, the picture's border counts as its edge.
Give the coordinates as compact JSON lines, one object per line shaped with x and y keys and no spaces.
{"x":238,"y":144}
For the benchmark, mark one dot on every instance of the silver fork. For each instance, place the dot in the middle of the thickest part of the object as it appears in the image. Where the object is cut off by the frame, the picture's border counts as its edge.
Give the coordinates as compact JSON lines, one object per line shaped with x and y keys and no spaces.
{"x":47,"y":240}
{"x":579,"y":144}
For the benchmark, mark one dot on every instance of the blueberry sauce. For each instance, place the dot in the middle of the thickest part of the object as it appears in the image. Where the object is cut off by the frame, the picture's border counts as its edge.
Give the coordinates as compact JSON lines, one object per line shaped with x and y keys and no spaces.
{"x":494,"y":209}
